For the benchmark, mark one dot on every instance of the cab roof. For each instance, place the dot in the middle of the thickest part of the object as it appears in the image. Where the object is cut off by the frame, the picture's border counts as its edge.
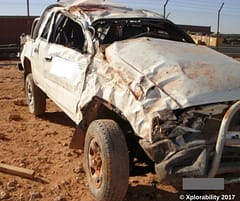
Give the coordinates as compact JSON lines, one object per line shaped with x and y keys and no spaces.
{"x":101,"y":9}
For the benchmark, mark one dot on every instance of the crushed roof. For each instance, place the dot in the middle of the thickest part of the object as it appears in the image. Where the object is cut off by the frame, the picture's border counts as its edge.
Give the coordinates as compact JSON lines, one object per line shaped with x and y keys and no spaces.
{"x":99,"y":9}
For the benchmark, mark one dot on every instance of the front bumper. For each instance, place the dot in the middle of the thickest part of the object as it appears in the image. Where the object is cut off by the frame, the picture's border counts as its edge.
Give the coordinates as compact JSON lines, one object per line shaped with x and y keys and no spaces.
{"x":201,"y":158}
{"x":190,"y":162}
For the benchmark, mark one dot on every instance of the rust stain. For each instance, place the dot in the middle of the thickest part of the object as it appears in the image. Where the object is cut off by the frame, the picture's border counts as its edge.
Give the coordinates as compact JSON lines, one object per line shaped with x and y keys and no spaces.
{"x":204,"y":73}
{"x":193,"y":71}
{"x":227,"y":114}
{"x":119,"y":77}
{"x":88,"y":8}
{"x":137,"y":93}
{"x":73,"y":9}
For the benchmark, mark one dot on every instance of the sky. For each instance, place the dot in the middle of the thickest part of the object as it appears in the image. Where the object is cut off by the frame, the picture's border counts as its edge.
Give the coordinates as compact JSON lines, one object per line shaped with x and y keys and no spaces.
{"x":191,"y":12}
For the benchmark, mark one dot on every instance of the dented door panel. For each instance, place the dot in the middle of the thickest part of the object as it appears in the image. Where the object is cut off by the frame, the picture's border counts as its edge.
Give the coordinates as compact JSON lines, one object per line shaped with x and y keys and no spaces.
{"x":64,"y":78}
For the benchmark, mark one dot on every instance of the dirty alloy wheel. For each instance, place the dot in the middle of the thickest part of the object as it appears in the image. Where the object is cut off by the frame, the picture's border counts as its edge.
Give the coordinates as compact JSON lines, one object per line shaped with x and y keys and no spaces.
{"x":36,"y":98}
{"x":106,"y":161}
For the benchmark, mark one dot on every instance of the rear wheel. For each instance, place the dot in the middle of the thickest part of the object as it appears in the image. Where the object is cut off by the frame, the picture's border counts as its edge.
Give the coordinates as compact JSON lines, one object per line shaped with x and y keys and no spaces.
{"x":36,"y":98}
{"x":106,"y":160}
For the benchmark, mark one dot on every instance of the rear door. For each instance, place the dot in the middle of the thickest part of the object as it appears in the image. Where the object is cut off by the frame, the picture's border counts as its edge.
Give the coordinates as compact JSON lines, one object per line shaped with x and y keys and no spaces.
{"x":40,"y":43}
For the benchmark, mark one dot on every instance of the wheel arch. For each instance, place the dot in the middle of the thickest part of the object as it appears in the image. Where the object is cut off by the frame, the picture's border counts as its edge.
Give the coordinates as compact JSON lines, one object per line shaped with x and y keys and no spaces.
{"x":27,"y":66}
{"x":95,"y":110}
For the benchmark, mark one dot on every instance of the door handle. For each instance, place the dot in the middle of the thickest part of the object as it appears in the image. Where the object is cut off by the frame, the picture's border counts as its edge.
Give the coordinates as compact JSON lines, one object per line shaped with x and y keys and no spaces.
{"x":48,"y":58}
{"x":35,"y":50}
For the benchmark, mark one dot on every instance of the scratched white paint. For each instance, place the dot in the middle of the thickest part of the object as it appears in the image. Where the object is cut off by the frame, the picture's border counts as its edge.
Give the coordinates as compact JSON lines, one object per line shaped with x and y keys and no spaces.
{"x":65,"y":69}
{"x":180,"y":74}
{"x":189,"y":73}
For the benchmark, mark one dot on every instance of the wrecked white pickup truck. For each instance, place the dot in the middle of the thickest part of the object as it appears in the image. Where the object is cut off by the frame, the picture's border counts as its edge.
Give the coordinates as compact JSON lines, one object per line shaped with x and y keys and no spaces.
{"x":133,"y":81}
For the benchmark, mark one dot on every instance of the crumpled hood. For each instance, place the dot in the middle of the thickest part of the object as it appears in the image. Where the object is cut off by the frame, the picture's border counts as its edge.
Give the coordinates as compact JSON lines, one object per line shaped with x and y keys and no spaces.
{"x":189,"y":73}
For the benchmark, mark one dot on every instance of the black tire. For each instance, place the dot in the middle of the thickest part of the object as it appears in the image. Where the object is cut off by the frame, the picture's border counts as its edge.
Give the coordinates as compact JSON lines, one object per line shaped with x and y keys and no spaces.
{"x":106,"y":161}
{"x":36,"y":98}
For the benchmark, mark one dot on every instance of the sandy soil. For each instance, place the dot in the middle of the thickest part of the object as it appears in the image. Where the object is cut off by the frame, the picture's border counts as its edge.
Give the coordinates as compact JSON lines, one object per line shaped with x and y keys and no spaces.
{"x":42,"y":143}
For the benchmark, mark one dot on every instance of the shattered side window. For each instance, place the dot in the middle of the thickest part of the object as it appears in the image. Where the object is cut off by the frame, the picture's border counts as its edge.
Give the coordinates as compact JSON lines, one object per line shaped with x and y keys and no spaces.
{"x":47,"y":28}
{"x":68,"y":33}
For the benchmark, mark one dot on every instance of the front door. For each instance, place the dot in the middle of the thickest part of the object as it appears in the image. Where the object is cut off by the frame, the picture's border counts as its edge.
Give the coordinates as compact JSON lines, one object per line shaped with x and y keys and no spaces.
{"x":65,"y":62}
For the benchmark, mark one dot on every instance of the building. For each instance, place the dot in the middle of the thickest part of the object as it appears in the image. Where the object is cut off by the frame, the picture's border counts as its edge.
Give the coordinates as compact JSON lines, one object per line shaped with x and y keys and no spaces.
{"x":204,"y":30}
{"x":11,"y":29}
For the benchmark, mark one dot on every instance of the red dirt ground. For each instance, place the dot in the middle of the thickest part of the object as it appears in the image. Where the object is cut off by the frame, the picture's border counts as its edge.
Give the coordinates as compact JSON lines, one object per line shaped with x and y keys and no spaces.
{"x":42,"y":143}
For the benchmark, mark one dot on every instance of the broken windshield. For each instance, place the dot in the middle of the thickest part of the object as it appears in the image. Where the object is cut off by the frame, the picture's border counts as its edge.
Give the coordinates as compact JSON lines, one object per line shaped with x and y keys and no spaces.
{"x":109,"y":31}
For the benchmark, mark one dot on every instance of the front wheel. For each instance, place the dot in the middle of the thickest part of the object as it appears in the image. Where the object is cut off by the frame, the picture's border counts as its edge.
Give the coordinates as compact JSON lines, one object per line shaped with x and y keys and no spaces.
{"x":106,"y":161}
{"x":36,"y":98}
